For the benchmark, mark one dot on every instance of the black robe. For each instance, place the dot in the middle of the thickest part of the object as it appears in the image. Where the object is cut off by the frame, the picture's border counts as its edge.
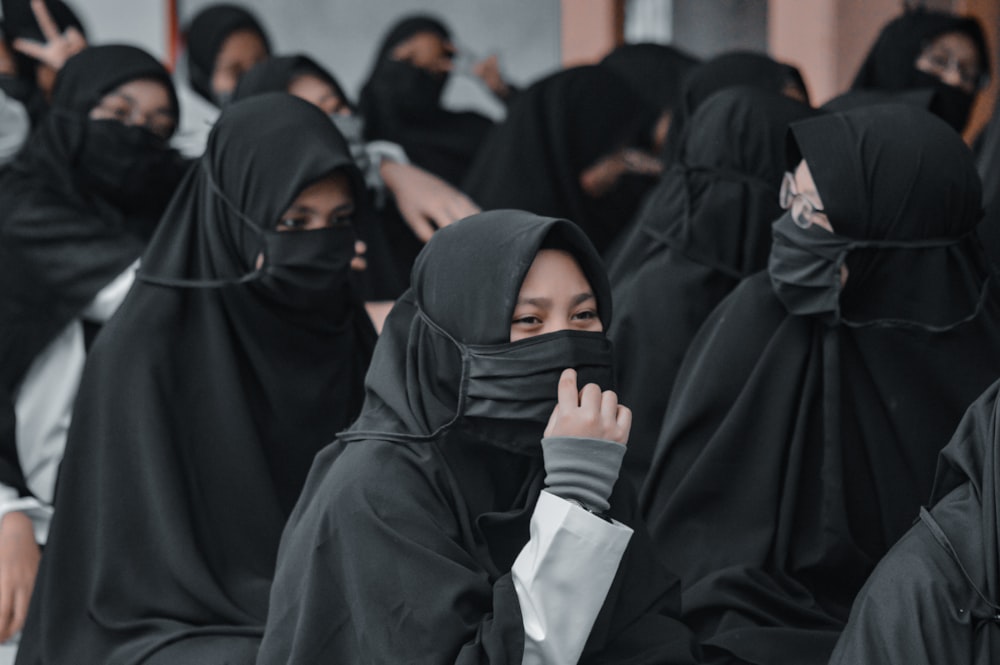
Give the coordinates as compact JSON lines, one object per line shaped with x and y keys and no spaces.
{"x":554,"y":130}
{"x":795,"y":452}
{"x":935,"y":597}
{"x":890,"y":65}
{"x":202,"y":406}
{"x":204,"y":37}
{"x":61,"y":241}
{"x":655,"y":71}
{"x":386,"y":273}
{"x":706,"y":226}
{"x":402,"y":103}
{"x":401,"y":547}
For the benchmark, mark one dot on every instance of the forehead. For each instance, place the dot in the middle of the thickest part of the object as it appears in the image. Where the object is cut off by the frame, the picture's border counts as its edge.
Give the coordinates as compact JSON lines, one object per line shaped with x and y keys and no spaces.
{"x":242,"y":44}
{"x":144,"y":92}
{"x":957,"y":43}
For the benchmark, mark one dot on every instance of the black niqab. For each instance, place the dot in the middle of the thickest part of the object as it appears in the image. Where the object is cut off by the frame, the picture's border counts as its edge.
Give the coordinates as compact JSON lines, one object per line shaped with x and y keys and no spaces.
{"x":205,"y":35}
{"x":401,"y":103}
{"x":890,"y":65}
{"x":438,"y":499}
{"x":200,"y":412}
{"x":60,"y":241}
{"x":554,"y":130}
{"x":706,"y":226}
{"x":794,"y":452}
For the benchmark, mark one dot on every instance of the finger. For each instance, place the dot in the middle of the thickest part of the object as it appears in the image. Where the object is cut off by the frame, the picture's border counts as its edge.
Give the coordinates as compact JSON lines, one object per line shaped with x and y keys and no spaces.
{"x":609,"y":409}
{"x":420,"y":226}
{"x":624,"y":423}
{"x":75,"y":39}
{"x":6,"y":607}
{"x":31,"y":48}
{"x":20,"y":611}
{"x":553,"y":419}
{"x":590,"y":399}
{"x":360,"y":247}
{"x":46,"y":23}
{"x":461,"y":207}
{"x":568,"y":395}
{"x":359,"y":264}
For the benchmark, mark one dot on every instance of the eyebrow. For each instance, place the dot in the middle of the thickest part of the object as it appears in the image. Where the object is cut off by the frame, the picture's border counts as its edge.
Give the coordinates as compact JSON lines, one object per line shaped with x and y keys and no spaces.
{"x":546,"y":303}
{"x":342,"y":208}
{"x":165,"y":110}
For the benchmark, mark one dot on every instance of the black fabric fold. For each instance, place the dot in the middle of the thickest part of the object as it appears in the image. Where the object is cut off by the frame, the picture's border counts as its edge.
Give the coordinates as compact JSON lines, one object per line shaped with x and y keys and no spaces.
{"x":201,"y":409}
{"x":794,"y":453}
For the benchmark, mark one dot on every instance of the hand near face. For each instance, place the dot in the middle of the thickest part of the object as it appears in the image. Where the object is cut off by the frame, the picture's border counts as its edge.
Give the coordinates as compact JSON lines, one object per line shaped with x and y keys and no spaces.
{"x":58,"y":46}
{"x":588,"y":413}
{"x":488,"y":70}
{"x":426,"y":202}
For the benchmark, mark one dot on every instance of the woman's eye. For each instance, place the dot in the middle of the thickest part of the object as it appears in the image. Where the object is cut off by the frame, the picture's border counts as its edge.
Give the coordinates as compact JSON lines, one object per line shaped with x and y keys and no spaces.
{"x":292,"y":223}
{"x":528,"y":320}
{"x":342,"y":221}
{"x":585,"y":315}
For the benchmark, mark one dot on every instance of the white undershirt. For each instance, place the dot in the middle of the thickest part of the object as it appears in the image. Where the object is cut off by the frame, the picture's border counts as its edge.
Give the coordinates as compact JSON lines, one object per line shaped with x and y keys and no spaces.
{"x":562,"y":577}
{"x":43,"y":405}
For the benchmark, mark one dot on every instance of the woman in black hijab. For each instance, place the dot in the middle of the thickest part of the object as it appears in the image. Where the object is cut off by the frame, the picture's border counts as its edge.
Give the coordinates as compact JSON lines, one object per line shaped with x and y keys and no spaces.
{"x":549,"y":155}
{"x":401,"y":101}
{"x":77,"y":207}
{"x":728,"y":70}
{"x":928,"y":49}
{"x":806,"y":418}
{"x":706,"y":226}
{"x":411,"y":541}
{"x":238,"y":354}
{"x":223,"y":42}
{"x":946,"y":569}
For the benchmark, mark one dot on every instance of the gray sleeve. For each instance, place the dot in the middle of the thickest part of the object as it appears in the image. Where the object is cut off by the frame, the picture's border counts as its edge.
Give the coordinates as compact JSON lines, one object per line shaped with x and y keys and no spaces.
{"x":581,"y":469}
{"x":14,"y":127}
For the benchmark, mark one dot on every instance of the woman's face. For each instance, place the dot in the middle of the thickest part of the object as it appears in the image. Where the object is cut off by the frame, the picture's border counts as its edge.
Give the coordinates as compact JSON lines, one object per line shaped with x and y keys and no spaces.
{"x":555,"y":295}
{"x":426,"y":50}
{"x":325,"y":203}
{"x":953,"y":59}
{"x":240,"y":51}
{"x":319,"y":93}
{"x":139,"y":103}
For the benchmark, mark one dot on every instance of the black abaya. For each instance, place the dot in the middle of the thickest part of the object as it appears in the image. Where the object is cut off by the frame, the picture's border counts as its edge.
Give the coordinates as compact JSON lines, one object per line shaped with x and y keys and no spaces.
{"x":935,"y":597}
{"x":554,"y":130}
{"x":655,"y":71}
{"x":401,"y":547}
{"x":797,"y":448}
{"x":402,"y":103}
{"x":202,"y":406}
{"x":706,"y":226}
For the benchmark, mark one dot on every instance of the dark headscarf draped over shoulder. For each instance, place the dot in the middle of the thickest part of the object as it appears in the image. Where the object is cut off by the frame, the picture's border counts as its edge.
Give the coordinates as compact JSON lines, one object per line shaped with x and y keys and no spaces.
{"x":554,"y":131}
{"x":847,"y":419}
{"x":205,"y":35}
{"x":706,"y":226}
{"x":277,"y":73}
{"x":890,"y":65}
{"x":655,"y":71}
{"x":443,"y":495}
{"x":745,"y":68}
{"x":200,"y":412}
{"x":402,"y":103}
{"x":19,"y":22}
{"x":60,"y":242}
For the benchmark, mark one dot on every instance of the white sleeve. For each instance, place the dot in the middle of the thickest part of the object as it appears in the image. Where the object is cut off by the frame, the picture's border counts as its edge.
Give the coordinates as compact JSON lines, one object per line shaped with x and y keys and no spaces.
{"x":108,"y":299}
{"x":562,"y":577}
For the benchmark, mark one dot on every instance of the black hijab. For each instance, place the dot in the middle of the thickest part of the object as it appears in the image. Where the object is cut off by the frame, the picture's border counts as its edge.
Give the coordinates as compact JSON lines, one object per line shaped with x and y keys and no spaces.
{"x":655,"y":71}
{"x":205,"y":35}
{"x":725,"y":71}
{"x":203,"y":403}
{"x":554,"y":130}
{"x":890,"y":65}
{"x":706,"y":226}
{"x":402,"y":103}
{"x":437,"y":480}
{"x":946,"y":569}
{"x":797,"y":448}
{"x":277,"y":73}
{"x":62,"y":239}
{"x":19,"y":22}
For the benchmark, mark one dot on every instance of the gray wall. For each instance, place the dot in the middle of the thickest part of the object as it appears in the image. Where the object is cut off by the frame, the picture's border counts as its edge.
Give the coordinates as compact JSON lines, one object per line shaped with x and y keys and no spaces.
{"x":343,"y":34}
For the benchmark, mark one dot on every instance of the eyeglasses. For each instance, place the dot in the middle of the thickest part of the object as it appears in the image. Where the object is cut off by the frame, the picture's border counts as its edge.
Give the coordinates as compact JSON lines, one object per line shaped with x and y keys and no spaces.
{"x":125,"y":110}
{"x":803,"y":210}
{"x":939,"y":62}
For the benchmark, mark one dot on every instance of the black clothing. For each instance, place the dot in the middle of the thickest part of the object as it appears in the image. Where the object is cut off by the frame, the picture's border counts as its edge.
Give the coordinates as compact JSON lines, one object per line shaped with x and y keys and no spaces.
{"x":62,"y":240}
{"x":725,"y":71}
{"x":202,"y":406}
{"x":436,"y":482}
{"x":205,"y":35}
{"x":706,"y":226}
{"x":277,"y":73}
{"x":402,"y":103}
{"x":946,"y":569}
{"x":890,"y":65}
{"x":554,"y":130}
{"x":654,"y":71}
{"x":797,"y":449}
